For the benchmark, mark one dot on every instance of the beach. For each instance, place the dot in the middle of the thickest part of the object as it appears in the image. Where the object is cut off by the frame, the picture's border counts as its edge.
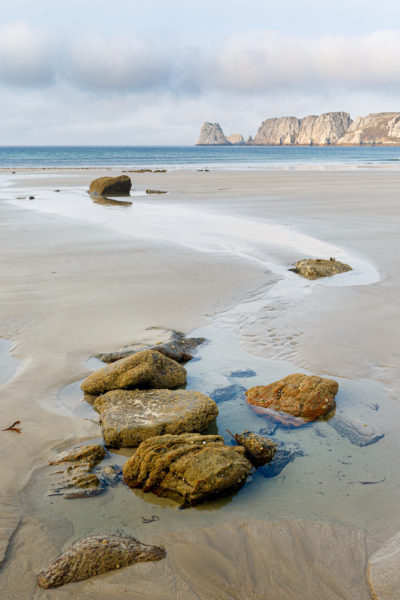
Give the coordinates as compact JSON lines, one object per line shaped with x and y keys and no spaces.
{"x":212,"y":257}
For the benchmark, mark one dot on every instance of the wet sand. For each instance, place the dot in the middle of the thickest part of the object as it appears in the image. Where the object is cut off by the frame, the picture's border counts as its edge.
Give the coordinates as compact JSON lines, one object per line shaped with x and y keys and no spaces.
{"x":72,"y":287}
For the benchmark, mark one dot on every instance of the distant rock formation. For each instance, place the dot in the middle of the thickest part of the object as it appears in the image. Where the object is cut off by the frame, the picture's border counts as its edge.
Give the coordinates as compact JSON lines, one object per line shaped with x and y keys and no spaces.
{"x":236,"y":139}
{"x":211,"y":134}
{"x":378,"y":128}
{"x":312,"y":130}
{"x":332,"y":128}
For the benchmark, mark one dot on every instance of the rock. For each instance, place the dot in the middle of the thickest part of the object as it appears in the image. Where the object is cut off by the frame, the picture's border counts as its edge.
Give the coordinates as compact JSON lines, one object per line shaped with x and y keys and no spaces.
{"x":76,"y":479}
{"x":311,"y":130}
{"x":31,"y":197}
{"x":250,"y":140}
{"x":155,"y":192}
{"x":172,"y":344}
{"x":111,"y":186}
{"x":189,"y":468}
{"x":285,"y":454}
{"x":94,"y":555}
{"x":146,"y":369}
{"x":211,"y":134}
{"x":384,"y":571}
{"x":236,"y":139}
{"x":228,"y":392}
{"x":259,"y":450}
{"x":355,"y":431}
{"x":129,"y":417}
{"x":243,"y":373}
{"x":378,"y":128}
{"x":314,"y":268}
{"x":301,"y":396}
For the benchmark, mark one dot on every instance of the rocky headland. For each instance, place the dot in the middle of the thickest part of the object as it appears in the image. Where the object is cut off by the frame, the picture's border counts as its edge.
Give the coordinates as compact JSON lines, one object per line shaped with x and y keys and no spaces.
{"x":332,"y":128}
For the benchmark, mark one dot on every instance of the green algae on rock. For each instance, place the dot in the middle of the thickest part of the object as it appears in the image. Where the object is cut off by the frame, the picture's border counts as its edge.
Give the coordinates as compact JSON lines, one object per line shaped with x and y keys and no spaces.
{"x":111,"y":186}
{"x":301,"y":396}
{"x":314,"y":268}
{"x":146,"y":369}
{"x":188,"y":468}
{"x":129,"y":417}
{"x":94,"y":555}
{"x":259,"y":450}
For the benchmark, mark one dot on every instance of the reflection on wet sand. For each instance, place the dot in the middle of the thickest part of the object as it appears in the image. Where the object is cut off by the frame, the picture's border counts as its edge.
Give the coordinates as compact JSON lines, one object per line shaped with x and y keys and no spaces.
{"x":110,"y":202}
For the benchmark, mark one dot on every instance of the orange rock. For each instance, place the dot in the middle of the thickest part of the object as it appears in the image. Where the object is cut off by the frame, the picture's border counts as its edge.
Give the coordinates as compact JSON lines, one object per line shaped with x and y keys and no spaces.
{"x":304,"y":396}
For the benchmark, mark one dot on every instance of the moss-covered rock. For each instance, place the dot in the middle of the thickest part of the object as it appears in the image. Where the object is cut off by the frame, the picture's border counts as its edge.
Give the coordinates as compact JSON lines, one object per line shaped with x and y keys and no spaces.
{"x":146,"y":369}
{"x":259,"y":449}
{"x":314,"y":268}
{"x":305,"y":396}
{"x":188,"y":468}
{"x":129,"y":417}
{"x":111,"y":186}
{"x":94,"y":555}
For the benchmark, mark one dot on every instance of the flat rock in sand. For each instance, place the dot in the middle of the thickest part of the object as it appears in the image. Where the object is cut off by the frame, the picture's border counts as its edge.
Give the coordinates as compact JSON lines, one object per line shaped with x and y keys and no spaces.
{"x":188,"y":468}
{"x":357,"y":432}
{"x":300,"y":396}
{"x":173,"y":344}
{"x":314,"y":268}
{"x":94,"y":555}
{"x":129,"y":417}
{"x":146,"y":369}
{"x":75,"y":479}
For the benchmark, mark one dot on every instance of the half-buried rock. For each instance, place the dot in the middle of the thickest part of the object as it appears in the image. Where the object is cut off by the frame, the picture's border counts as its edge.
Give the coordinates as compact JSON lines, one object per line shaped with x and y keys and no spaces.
{"x":129,"y":417}
{"x":146,"y":369}
{"x":188,"y":468}
{"x":94,"y":555}
{"x":314,"y":268}
{"x":305,"y":397}
{"x":111,"y":186}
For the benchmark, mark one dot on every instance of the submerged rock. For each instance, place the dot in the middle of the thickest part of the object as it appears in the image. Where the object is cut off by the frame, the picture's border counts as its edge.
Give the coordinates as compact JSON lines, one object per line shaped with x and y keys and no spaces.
{"x":129,"y":417}
{"x":172,"y":344}
{"x":146,"y":369}
{"x":301,"y":396}
{"x":228,"y":392}
{"x":243,"y":373}
{"x":259,"y":450}
{"x":189,"y":468}
{"x":285,"y":454}
{"x":94,"y":555}
{"x":355,"y":431}
{"x":314,"y":268}
{"x":111,"y":186}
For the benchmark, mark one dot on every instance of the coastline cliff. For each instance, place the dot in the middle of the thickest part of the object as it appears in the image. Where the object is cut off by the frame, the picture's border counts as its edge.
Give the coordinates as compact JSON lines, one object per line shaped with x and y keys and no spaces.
{"x":332,"y":128}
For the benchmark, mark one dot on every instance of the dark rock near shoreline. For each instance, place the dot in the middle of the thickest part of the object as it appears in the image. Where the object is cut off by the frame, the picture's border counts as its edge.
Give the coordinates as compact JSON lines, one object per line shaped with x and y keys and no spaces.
{"x":355,"y":431}
{"x":315,"y":268}
{"x":129,"y":417}
{"x":172,"y":344}
{"x":259,"y":450}
{"x":189,"y":468}
{"x":156,"y":192}
{"x":304,"y":397}
{"x":111,"y":186}
{"x":146,"y":369}
{"x":94,"y":555}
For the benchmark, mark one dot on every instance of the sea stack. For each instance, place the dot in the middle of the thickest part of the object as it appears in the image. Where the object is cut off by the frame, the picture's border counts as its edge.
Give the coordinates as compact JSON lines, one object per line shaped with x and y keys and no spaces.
{"x":211,"y":134}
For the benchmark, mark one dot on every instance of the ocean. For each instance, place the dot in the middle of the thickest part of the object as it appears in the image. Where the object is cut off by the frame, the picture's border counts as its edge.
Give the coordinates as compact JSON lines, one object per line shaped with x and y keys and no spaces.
{"x":224,"y":157}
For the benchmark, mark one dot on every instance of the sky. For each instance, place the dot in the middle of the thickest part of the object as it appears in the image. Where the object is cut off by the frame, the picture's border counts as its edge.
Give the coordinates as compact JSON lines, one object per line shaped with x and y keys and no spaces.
{"x":132,"y":73}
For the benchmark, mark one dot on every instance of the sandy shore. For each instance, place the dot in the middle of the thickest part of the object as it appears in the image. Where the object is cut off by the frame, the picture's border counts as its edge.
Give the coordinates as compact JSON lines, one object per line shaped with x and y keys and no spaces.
{"x":72,"y":286}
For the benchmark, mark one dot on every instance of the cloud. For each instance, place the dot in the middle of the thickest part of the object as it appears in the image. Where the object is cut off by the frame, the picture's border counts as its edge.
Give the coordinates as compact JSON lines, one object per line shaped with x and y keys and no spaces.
{"x":106,"y":63}
{"x":26,"y":55}
{"x":262,"y":61}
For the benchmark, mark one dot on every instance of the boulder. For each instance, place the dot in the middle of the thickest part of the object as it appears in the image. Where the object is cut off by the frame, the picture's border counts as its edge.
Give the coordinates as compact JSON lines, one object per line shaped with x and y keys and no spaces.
{"x":129,"y":417}
{"x":94,"y":555}
{"x":111,"y":186}
{"x":188,"y":468}
{"x":172,"y":344}
{"x":314,"y":268}
{"x":146,"y":369}
{"x":306,"y":397}
{"x":259,"y":450}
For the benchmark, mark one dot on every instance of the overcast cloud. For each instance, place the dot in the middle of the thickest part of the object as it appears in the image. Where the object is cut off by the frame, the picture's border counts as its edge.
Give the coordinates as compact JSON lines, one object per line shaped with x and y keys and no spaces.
{"x":97,"y":85}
